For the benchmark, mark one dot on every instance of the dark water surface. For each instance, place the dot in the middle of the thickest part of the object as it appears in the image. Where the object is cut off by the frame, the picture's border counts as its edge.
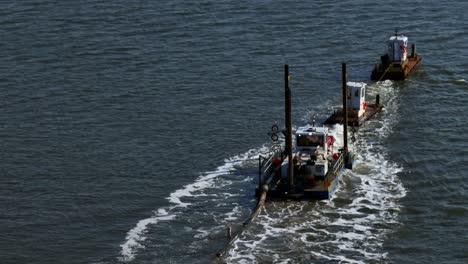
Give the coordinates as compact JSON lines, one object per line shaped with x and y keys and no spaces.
{"x":129,"y":131}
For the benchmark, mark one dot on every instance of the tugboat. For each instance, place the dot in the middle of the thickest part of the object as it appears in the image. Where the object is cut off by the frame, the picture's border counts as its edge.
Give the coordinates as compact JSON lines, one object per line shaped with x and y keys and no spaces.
{"x":359,"y":110}
{"x":311,"y":169}
{"x":396,"y":64}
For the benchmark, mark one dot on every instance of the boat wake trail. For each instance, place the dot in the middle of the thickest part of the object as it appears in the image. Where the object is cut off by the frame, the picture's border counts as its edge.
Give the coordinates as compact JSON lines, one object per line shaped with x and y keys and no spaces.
{"x":351,"y":227}
{"x":203,"y":193}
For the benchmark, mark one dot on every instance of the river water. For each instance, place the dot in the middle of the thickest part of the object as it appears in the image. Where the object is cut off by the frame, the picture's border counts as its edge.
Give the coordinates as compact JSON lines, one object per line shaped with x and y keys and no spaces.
{"x":130,"y":131}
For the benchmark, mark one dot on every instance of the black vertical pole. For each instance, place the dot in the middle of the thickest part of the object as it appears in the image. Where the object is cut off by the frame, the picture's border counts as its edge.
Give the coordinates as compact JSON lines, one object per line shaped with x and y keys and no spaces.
{"x":288,"y":124}
{"x":413,"y":50}
{"x":259,"y":172}
{"x":345,"y":111}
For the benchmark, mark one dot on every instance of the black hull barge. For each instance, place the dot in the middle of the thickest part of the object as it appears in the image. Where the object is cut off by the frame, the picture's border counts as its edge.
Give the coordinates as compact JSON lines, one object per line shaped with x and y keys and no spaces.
{"x":396,"y":64}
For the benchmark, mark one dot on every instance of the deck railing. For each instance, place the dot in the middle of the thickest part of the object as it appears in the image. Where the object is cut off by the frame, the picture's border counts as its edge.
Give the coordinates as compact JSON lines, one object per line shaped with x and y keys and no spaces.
{"x":267,"y":166}
{"x":338,"y":164}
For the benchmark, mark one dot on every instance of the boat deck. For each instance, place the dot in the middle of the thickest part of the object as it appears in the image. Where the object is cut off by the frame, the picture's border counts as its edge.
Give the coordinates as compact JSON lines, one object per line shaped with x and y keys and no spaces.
{"x":337,"y":116}
{"x":318,"y":190}
{"x":321,"y":190}
{"x":395,"y":71}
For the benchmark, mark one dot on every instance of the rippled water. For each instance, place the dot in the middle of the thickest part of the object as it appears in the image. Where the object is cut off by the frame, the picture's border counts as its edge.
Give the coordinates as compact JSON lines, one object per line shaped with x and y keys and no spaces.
{"x":130,"y":131}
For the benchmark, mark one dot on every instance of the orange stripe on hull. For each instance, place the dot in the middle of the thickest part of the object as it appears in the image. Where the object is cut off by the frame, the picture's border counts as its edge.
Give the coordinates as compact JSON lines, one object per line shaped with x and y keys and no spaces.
{"x":330,"y":185}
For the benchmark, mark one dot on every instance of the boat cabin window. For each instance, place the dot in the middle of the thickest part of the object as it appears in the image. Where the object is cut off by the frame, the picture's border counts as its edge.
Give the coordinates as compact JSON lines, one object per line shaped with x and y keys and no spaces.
{"x":309,"y":140}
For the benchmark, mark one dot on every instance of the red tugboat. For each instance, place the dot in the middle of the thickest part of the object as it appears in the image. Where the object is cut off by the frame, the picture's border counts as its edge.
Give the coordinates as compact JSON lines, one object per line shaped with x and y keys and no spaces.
{"x":396,"y":64}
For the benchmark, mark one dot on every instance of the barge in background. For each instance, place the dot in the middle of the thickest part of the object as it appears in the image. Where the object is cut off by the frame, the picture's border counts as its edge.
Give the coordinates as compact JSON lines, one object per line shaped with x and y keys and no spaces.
{"x":396,"y":64}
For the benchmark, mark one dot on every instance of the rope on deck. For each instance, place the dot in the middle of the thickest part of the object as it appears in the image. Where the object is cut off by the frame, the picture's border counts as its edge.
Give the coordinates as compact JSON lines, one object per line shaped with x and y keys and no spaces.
{"x":391,"y":64}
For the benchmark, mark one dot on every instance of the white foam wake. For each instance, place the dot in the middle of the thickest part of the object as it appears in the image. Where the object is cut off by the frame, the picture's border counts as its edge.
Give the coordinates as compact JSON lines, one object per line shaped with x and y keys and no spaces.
{"x":352,"y":232}
{"x":137,"y":235}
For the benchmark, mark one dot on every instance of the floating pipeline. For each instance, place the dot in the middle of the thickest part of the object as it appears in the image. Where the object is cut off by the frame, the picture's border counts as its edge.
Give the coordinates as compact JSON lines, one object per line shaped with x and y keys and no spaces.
{"x":260,"y":204}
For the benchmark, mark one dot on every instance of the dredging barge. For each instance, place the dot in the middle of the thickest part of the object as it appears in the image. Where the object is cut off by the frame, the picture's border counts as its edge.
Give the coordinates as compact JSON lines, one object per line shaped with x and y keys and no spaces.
{"x":311,"y":169}
{"x":396,"y":64}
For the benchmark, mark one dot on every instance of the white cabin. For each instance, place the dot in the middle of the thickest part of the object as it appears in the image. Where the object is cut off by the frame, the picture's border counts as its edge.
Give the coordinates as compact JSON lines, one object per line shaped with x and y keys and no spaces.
{"x":312,"y":147}
{"x":397,"y":48}
{"x":356,"y":98}
{"x":311,"y":138}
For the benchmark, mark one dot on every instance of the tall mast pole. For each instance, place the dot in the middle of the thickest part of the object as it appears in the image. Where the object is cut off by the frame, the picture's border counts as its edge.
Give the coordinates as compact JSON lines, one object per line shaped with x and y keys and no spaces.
{"x":345,"y":110}
{"x":289,"y":147}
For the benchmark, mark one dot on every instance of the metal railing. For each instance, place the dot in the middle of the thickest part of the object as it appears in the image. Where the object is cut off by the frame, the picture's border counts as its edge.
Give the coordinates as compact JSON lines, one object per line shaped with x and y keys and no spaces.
{"x":267,"y":166}
{"x":338,"y":164}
